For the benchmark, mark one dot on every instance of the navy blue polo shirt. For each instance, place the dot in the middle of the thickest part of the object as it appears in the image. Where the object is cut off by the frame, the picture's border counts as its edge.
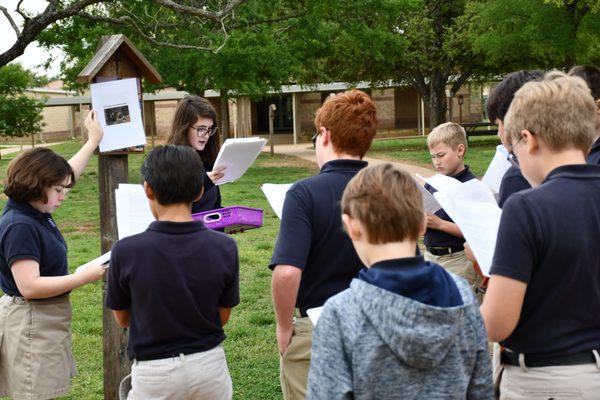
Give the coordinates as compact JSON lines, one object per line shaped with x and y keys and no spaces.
{"x":27,"y":234}
{"x":594,"y":156}
{"x":436,"y":238}
{"x":311,"y":236}
{"x":173,"y":278}
{"x":211,"y":198}
{"x":513,"y":181}
{"x":416,"y":279}
{"x":548,"y":239}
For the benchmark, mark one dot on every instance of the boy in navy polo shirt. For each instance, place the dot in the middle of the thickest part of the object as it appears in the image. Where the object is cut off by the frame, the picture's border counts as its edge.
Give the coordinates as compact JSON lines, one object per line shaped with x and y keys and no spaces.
{"x":405,"y":328}
{"x":591,"y":76}
{"x":543,"y":297}
{"x":313,"y":258}
{"x":496,"y":108}
{"x":174,"y":285}
{"x":444,"y":241}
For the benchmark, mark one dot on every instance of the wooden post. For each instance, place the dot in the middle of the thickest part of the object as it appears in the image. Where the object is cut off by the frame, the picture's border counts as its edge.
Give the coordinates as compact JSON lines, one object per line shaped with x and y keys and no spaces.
{"x":271,"y":118}
{"x":116,"y":58}
{"x":149,"y":113}
{"x":112,"y":170}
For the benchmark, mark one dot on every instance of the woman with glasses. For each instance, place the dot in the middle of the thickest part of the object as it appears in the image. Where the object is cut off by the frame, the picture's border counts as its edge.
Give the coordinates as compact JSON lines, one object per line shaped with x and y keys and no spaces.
{"x":195,"y":125}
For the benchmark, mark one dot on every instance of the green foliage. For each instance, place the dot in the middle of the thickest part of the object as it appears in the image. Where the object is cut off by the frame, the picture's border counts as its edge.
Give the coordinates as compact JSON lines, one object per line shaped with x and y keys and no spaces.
{"x":244,"y":60}
{"x":517,"y":34}
{"x":20,"y":115}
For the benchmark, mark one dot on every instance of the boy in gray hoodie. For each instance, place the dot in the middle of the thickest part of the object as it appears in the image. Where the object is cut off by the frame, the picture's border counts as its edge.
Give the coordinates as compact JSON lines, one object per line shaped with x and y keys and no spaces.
{"x":405,"y":328}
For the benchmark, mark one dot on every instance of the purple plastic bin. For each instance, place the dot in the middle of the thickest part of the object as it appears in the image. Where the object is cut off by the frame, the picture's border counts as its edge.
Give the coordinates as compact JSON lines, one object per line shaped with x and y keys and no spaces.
{"x":234,"y":218}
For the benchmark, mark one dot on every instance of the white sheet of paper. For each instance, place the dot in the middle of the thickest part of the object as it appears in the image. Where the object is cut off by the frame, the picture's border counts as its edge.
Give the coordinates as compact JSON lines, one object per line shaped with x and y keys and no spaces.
{"x":472,"y":206}
{"x":133,"y":210}
{"x":103,"y":259}
{"x":440,"y":182}
{"x":314,"y":314}
{"x":496,"y":170}
{"x":275,"y":194}
{"x":430,"y":204}
{"x":118,"y":110}
{"x":238,"y":155}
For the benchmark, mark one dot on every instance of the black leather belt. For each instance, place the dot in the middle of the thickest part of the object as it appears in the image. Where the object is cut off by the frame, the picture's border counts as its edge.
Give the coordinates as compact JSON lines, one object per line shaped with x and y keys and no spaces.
{"x":533,"y":360}
{"x":442,"y":251}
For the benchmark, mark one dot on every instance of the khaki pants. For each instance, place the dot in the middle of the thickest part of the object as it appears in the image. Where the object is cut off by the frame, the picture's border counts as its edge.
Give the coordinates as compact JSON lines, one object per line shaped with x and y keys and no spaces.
{"x":563,"y":382}
{"x":201,"y":375}
{"x":295,"y":361}
{"x":458,"y":264}
{"x":36,"y":360}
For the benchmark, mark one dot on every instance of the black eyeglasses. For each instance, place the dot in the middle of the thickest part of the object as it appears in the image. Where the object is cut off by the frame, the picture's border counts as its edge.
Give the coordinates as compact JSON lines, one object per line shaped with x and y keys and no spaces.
{"x":314,"y":139}
{"x":511,"y":158}
{"x":205,"y":130}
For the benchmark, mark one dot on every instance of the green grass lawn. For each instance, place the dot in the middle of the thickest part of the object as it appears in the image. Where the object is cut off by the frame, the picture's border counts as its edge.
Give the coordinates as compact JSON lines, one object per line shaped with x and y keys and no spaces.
{"x":480,"y":151}
{"x":250,"y":347}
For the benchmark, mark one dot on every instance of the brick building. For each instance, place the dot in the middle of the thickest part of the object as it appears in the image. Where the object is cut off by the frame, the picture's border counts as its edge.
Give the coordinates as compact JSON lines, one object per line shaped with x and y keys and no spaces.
{"x":401,"y":111}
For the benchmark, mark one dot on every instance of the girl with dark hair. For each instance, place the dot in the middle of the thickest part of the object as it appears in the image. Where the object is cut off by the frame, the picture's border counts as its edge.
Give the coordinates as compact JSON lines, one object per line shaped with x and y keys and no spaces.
{"x":36,"y":360}
{"x":195,"y":125}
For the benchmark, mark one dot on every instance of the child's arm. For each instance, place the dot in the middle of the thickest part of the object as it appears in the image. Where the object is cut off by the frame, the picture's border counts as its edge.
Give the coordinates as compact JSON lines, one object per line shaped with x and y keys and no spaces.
{"x":123,"y":317}
{"x":224,"y":314}
{"x":435,"y":222}
{"x":501,"y":308}
{"x":33,"y":286}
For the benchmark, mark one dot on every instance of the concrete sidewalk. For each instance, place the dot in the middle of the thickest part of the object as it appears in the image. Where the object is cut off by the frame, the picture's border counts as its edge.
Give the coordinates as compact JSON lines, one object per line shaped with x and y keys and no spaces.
{"x":18,"y":148}
{"x":306,"y":152}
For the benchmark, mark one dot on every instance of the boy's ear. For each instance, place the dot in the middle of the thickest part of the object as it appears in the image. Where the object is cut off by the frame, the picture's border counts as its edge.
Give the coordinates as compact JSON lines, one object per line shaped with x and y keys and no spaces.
{"x":530,"y":142}
{"x":149,"y":191}
{"x":461,"y":150}
{"x":352,"y":227}
{"x":200,"y":195}
{"x":326,"y":136}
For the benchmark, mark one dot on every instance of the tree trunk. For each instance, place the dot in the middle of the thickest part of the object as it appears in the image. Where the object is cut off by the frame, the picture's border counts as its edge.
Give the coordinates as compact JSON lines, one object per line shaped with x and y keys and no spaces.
{"x":224,"y":116}
{"x":437,"y":101}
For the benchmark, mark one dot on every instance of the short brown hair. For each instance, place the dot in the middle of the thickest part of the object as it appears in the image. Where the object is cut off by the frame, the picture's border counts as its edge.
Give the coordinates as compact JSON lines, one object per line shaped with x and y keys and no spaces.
{"x":351,"y":117}
{"x":449,"y":133}
{"x":189,"y":109}
{"x":34,"y":171}
{"x":591,"y":76}
{"x":387,"y":203}
{"x":560,"y":110}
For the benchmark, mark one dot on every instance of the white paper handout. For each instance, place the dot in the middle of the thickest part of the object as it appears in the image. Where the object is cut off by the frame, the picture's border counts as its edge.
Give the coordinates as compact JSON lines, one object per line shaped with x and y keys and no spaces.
{"x":275,"y":194}
{"x":314,"y":314}
{"x":133,"y":211}
{"x":472,"y":206}
{"x":238,"y":155}
{"x":440,"y":182}
{"x":102,"y":260}
{"x":430,"y":204}
{"x":496,"y":170}
{"x":117,"y":108}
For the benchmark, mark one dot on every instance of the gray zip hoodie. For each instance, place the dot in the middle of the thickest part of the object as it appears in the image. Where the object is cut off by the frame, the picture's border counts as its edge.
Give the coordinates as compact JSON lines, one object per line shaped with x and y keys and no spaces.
{"x":370,"y":343}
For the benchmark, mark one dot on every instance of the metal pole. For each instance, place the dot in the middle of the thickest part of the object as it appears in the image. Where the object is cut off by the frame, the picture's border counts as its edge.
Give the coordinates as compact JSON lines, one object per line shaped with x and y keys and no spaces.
{"x":271,"y":118}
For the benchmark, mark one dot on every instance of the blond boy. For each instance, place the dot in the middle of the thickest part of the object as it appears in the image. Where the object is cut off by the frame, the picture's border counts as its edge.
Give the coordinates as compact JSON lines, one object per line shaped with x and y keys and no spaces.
{"x":543,"y":297}
{"x":443,"y":239}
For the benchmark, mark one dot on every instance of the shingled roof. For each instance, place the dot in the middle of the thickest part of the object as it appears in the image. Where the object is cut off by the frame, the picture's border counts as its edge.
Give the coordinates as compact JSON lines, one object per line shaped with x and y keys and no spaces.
{"x":108,"y":48}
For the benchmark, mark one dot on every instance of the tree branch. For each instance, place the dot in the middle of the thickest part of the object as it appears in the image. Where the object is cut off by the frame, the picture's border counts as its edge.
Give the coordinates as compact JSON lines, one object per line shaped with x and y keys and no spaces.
{"x":461,"y":80}
{"x":200,"y":12}
{"x":126,"y":20}
{"x":11,"y":21}
{"x":21,"y":13}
